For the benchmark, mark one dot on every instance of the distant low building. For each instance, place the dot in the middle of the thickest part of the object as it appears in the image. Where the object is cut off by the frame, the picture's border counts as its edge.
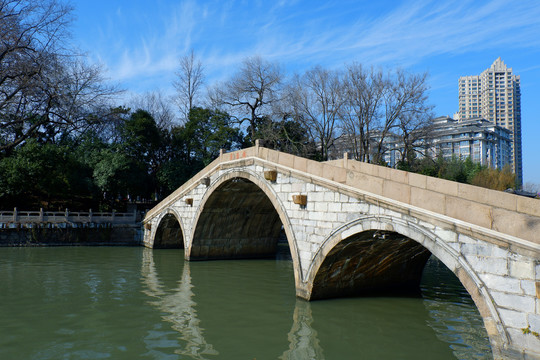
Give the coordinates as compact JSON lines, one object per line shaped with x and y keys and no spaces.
{"x":347,"y":144}
{"x":477,"y":138}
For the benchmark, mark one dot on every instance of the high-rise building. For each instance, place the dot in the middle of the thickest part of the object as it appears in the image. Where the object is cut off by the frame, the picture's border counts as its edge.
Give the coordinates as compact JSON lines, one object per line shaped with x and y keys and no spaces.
{"x":495,"y":96}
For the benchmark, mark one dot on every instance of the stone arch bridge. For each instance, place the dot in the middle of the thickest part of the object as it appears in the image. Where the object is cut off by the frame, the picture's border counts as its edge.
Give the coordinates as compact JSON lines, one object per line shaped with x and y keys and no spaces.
{"x":357,"y":228}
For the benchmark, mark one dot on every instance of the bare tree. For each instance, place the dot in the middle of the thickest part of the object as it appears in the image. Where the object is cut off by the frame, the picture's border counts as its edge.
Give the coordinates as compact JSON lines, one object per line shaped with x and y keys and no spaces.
{"x":316,"y":98}
{"x":363,"y":94}
{"x":384,"y":112}
{"x":414,"y":130}
{"x":158,"y":105}
{"x":30,"y":32}
{"x":532,"y":187}
{"x":249,"y":94}
{"x":190,"y":78}
{"x":404,"y":103}
{"x":81,"y":96}
{"x":44,"y":86}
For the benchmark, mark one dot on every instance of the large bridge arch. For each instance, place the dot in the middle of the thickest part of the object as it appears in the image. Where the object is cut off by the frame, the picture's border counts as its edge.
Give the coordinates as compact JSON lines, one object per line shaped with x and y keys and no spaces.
{"x":169,"y":232}
{"x":208,"y":222}
{"x":369,"y":225}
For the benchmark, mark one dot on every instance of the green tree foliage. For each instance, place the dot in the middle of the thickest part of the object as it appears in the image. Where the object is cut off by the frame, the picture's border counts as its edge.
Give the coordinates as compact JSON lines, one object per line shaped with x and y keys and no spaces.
{"x":286,"y":135}
{"x":117,"y":174}
{"x":180,"y":165}
{"x":458,"y":170}
{"x":86,"y":167}
{"x":140,"y":136}
{"x":42,"y":173}
{"x":129,"y":167}
{"x":207,"y":131}
{"x":195,"y":144}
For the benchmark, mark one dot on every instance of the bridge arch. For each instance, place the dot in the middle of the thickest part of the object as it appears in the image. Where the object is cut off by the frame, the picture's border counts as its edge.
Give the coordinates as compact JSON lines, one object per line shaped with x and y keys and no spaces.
{"x":252,"y":207}
{"x":371,"y":225}
{"x":169,"y":232}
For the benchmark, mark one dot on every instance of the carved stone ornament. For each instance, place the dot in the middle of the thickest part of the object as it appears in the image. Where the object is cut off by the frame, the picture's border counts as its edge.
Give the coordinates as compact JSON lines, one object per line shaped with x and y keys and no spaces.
{"x":205,"y":181}
{"x":270,"y":175}
{"x":300,"y":199}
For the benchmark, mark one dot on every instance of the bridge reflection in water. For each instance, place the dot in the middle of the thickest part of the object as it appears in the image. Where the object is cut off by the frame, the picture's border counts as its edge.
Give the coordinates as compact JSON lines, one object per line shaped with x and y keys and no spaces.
{"x":303,"y":340}
{"x":215,"y":318}
{"x":178,"y":307}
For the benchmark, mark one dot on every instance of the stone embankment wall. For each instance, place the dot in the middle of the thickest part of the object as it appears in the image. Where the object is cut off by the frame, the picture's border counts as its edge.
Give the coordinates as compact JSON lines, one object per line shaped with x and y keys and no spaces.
{"x":71,"y":235}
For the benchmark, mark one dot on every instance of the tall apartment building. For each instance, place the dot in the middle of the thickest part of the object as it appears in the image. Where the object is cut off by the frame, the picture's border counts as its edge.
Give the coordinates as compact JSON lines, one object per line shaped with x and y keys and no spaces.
{"x":495,"y":96}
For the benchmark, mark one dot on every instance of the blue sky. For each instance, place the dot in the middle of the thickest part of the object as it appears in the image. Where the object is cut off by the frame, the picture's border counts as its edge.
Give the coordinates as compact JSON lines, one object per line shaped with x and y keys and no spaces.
{"x":139,"y":42}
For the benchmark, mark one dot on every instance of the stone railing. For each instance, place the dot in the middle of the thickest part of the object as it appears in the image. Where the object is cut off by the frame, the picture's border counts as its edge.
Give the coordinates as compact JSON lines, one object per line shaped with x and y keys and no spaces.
{"x":41,"y":216}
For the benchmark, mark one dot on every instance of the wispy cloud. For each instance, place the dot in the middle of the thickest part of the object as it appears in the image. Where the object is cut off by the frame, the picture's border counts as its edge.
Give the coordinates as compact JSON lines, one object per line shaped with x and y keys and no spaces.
{"x":421,"y":29}
{"x":225,"y":32}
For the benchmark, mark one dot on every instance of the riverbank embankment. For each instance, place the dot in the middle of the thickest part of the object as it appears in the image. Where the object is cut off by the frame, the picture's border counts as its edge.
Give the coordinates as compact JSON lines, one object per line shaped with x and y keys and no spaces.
{"x":72,"y":235}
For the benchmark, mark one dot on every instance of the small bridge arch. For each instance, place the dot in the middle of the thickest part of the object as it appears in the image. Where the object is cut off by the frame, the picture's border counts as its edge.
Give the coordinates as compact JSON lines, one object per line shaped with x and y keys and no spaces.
{"x":169,"y":233}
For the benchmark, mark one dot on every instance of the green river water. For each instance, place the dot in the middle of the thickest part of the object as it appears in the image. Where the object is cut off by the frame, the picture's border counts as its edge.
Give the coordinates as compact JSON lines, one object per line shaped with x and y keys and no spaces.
{"x":137,"y":303}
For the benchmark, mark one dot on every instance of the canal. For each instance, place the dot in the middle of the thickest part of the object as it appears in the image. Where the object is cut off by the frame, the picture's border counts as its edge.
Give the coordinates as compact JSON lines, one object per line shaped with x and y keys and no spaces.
{"x":131,"y":302}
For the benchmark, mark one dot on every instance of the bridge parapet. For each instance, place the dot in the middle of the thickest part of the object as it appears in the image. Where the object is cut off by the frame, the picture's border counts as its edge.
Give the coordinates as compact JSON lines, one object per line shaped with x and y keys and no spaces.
{"x":501,"y":212}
